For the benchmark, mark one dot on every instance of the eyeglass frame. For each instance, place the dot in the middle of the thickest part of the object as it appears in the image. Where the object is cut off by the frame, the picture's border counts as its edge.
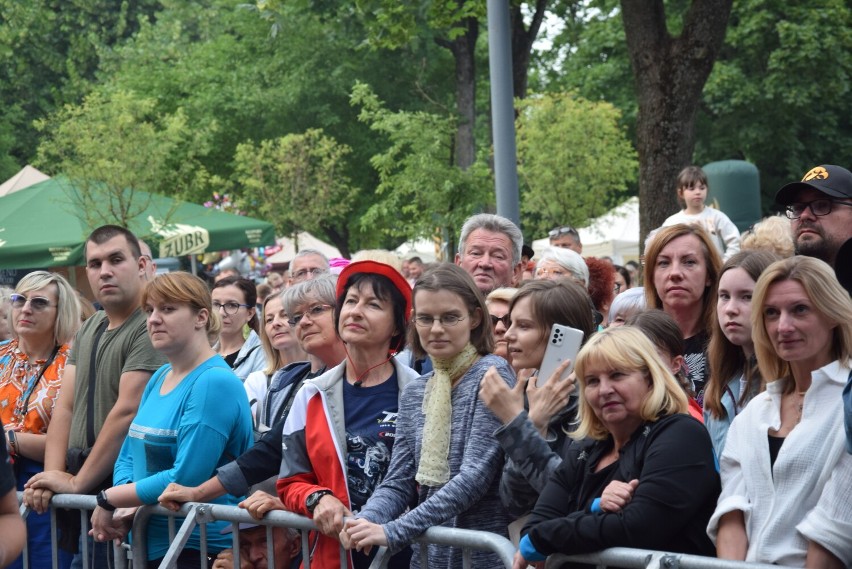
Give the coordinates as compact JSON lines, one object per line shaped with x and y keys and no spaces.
{"x":564,"y":230}
{"x":311,"y":313}
{"x":302,"y":273}
{"x":223,"y":306}
{"x":15,"y":299}
{"x":789,"y":209}
{"x":420,"y":320}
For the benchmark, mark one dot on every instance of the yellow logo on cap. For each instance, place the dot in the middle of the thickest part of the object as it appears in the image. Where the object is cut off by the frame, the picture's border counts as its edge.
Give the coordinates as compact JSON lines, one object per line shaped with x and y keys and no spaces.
{"x":818,"y":173}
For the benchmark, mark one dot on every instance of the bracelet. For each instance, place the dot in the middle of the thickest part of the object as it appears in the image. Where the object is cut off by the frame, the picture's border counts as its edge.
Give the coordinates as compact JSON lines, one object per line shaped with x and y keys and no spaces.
{"x":13,"y":442}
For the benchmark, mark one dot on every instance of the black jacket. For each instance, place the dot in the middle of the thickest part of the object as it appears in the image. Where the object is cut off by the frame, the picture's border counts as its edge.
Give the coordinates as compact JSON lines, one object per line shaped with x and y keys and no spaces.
{"x":678,"y":486}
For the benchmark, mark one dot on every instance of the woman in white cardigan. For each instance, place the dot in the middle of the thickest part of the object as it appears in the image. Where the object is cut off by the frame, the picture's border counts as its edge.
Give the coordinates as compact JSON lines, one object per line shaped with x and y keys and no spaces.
{"x":783,"y":457}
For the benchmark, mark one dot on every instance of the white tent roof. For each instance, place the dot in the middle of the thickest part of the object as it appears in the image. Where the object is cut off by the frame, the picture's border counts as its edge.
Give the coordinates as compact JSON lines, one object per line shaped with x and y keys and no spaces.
{"x":23,"y":179}
{"x":289,"y":248}
{"x":615,"y":234}
{"x":427,"y":249}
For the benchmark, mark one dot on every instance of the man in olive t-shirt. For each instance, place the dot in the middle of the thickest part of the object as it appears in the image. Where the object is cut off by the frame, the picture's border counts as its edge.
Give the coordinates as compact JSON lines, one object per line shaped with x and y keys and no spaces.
{"x":125,"y":361}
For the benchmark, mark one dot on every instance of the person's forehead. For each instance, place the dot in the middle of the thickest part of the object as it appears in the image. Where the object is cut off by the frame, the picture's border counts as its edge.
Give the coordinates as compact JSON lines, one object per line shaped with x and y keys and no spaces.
{"x":490,"y":239}
{"x":309,"y":261}
{"x":566,"y":238}
{"x":48,"y":291}
{"x":117,"y":244}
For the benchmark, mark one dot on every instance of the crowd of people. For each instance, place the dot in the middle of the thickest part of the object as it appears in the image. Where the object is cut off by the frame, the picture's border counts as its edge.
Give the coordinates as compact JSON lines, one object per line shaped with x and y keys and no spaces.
{"x":708,"y":411}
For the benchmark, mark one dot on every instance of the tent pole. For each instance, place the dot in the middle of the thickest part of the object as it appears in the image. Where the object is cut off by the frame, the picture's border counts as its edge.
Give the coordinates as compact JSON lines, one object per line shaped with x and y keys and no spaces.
{"x":194,"y":265}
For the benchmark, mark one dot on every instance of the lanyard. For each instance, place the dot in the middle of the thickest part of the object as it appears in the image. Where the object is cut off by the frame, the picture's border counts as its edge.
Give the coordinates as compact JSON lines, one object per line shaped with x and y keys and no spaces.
{"x":25,"y":397}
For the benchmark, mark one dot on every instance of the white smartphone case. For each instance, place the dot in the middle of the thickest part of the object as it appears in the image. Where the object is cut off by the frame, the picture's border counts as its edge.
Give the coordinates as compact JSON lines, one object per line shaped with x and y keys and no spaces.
{"x":564,"y":343}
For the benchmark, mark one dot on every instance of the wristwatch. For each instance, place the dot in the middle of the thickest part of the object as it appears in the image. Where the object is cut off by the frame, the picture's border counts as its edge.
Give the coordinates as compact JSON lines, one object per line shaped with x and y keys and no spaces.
{"x":314,"y":498}
{"x":103,"y":502}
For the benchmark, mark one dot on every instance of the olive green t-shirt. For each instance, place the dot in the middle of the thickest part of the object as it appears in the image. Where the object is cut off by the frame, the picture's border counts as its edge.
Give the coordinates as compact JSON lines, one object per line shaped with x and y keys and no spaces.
{"x":127,"y":348}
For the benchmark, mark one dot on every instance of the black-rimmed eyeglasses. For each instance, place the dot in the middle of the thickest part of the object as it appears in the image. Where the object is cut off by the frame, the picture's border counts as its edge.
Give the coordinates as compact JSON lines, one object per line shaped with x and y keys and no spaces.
{"x":818,"y":207}
{"x":230,"y":308}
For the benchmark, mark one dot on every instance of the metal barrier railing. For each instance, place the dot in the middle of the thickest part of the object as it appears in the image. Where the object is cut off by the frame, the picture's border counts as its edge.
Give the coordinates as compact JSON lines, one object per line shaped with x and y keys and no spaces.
{"x":627,"y":558}
{"x":198,"y":514}
{"x":85,"y":504}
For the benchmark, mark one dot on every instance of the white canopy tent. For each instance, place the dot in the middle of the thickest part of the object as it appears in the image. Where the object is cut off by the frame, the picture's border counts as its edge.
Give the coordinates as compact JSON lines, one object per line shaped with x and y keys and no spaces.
{"x":615,"y":234}
{"x":304,"y":240}
{"x":25,"y":178}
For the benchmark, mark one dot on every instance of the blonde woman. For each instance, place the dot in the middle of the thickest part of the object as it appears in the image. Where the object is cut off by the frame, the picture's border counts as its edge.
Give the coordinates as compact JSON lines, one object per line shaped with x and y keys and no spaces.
{"x":643,"y":474}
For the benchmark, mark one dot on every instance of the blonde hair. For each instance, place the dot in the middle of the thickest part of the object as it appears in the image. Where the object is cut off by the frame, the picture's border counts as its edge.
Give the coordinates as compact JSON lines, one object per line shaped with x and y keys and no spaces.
{"x":183,"y":288}
{"x":770,"y":234}
{"x":627,"y":349}
{"x":827,"y":296}
{"x":502,"y":294}
{"x":67,"y":306}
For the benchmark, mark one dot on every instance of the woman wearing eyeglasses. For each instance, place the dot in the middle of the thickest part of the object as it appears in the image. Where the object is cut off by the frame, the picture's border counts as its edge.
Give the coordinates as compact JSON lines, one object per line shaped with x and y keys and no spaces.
{"x":534,"y":440}
{"x":45,"y":316}
{"x":235,"y":299}
{"x":445,"y":463}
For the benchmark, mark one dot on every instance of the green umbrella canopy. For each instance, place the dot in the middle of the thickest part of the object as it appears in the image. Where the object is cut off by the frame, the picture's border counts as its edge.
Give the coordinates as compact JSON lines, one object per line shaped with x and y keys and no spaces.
{"x":46,"y":225}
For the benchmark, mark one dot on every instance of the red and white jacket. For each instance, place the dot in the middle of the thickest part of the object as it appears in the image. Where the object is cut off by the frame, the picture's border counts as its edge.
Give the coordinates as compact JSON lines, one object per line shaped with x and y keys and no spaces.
{"x":314,"y":451}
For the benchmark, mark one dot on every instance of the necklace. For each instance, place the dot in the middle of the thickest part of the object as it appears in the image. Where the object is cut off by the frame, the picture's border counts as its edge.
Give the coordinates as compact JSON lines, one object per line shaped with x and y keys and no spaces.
{"x":800,"y":405}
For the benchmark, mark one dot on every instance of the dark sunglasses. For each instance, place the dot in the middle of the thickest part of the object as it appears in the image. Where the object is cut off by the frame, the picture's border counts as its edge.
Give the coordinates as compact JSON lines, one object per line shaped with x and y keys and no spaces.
{"x":504,"y":319}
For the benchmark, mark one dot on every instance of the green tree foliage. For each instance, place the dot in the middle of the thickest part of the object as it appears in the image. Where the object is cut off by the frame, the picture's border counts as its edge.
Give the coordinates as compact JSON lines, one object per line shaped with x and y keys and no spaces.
{"x":780,"y":94}
{"x":220,"y":64}
{"x":51,"y":51}
{"x":121,"y":143}
{"x":575,"y":161}
{"x":421,"y":191}
{"x":298,"y":183}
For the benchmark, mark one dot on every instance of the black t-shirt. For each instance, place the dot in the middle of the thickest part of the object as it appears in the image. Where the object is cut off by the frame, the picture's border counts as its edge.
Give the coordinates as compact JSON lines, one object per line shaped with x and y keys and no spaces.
{"x":695,"y":357}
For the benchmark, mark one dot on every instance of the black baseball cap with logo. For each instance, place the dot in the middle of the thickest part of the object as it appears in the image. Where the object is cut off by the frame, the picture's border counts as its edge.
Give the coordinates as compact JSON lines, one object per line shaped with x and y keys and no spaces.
{"x":833,"y":181}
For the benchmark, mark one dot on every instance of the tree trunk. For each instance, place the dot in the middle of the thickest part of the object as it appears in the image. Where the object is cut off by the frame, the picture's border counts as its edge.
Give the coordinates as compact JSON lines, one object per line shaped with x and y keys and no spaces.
{"x":463,"y":49}
{"x":522,"y":42}
{"x":669,"y":75}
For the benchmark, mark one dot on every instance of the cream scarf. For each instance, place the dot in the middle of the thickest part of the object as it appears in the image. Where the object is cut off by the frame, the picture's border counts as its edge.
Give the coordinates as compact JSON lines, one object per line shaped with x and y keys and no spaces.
{"x":434,"y":469}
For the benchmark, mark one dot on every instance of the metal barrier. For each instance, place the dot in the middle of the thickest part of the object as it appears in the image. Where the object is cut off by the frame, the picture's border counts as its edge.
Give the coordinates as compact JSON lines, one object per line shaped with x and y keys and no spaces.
{"x":197,"y":514}
{"x":627,"y":558}
{"x":467,"y":540}
{"x":85,"y":504}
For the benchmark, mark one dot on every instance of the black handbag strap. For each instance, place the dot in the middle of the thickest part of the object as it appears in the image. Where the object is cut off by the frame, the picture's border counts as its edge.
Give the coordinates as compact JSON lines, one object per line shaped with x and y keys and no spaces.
{"x":93,"y":361}
{"x":25,"y":399}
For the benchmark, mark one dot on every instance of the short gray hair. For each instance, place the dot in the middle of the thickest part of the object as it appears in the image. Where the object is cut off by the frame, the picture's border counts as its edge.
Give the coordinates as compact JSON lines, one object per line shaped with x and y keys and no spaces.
{"x":570,"y":260}
{"x":496,"y":224}
{"x":322,"y":288}
{"x":632,"y":299}
{"x":306,"y":252}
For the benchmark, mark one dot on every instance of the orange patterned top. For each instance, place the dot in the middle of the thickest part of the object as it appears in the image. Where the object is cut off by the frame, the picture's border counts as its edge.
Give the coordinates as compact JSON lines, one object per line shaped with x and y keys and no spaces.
{"x":17,"y":374}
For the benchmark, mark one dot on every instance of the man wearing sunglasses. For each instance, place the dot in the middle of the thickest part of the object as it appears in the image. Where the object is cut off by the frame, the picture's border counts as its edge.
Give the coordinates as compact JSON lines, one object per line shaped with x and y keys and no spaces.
{"x":820,"y":211}
{"x":566,"y":238}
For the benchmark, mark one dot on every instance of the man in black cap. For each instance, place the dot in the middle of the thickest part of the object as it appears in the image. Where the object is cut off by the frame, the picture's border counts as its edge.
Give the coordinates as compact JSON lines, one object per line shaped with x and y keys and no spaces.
{"x":820,"y":211}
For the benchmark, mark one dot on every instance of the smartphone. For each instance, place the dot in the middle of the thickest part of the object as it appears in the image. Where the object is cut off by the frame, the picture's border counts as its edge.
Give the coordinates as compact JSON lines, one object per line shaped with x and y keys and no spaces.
{"x":564,"y":344}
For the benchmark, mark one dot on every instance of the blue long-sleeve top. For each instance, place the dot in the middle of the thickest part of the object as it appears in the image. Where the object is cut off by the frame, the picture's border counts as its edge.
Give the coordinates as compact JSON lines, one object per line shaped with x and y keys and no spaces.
{"x":183,"y":436}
